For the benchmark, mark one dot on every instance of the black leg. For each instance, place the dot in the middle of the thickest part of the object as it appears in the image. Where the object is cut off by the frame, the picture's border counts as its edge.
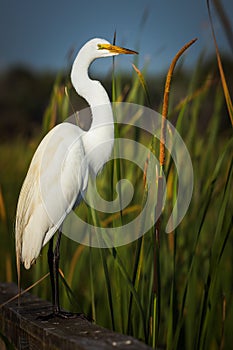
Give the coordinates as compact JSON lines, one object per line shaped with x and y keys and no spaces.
{"x":53,"y":261}
{"x":51,"y":269}
{"x":56,"y":258}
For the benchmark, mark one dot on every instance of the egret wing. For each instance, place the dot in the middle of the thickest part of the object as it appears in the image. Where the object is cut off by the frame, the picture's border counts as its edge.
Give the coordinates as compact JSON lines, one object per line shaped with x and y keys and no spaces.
{"x":56,"y":176}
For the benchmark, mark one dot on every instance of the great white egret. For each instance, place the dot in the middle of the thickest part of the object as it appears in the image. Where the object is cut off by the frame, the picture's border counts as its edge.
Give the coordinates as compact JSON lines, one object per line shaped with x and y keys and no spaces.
{"x":34,"y":226}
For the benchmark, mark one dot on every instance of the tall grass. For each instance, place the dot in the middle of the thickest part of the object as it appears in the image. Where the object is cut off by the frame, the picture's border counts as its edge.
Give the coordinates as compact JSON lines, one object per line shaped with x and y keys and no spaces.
{"x":194,"y":270}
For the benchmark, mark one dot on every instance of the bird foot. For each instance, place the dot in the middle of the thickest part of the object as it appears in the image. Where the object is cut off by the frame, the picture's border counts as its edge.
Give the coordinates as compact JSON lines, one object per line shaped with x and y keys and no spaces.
{"x":67,"y":315}
{"x":64,"y":315}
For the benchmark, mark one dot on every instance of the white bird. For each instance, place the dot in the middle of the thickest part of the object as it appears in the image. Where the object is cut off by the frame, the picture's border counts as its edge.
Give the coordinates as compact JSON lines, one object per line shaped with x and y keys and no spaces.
{"x":63,"y":159}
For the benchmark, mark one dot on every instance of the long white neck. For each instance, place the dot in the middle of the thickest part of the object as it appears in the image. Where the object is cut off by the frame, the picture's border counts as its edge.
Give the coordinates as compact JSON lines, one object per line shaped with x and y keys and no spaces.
{"x":98,"y":140}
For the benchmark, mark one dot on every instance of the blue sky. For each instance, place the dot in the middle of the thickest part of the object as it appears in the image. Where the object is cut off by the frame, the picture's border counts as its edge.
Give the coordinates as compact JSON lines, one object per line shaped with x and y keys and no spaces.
{"x":41,"y":33}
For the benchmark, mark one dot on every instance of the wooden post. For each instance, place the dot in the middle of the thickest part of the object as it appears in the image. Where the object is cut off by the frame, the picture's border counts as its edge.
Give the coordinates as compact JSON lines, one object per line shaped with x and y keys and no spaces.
{"x":20,"y":326}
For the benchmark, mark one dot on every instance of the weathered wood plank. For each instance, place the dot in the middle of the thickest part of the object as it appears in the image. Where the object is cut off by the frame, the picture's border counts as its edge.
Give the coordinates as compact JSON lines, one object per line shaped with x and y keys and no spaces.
{"x":21,"y":326}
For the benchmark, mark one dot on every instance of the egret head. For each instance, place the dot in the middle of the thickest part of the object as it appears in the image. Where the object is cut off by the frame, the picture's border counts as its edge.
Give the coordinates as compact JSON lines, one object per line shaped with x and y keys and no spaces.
{"x":94,"y":48}
{"x":102,"y":48}
{"x":106,"y":49}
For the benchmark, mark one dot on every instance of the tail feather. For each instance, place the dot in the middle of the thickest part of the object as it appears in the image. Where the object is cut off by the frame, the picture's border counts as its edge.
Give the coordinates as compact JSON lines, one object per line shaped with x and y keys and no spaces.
{"x":18,"y":249}
{"x":18,"y":275}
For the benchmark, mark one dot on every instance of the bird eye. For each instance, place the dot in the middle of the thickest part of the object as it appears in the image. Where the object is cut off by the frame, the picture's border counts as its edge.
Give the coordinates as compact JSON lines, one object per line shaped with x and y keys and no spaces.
{"x":100,"y":47}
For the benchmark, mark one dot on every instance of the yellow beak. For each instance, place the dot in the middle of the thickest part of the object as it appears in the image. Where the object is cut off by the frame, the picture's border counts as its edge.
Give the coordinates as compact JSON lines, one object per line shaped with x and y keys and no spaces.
{"x":116,"y":49}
